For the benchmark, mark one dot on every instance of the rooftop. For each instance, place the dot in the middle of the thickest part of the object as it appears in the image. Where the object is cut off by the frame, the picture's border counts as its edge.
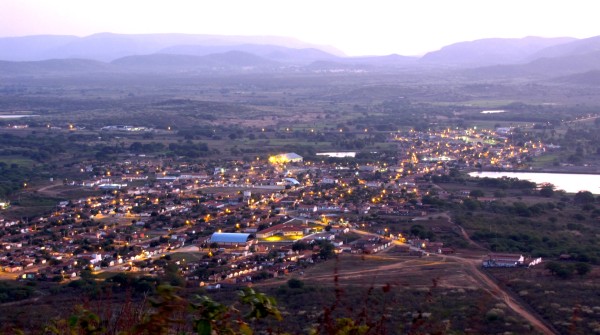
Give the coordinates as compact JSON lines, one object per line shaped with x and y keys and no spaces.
{"x":229,"y":237}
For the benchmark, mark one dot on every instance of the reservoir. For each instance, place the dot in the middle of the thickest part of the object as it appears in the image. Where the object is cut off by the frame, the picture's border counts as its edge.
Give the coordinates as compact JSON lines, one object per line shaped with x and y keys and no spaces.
{"x":16,"y":116}
{"x":571,"y":183}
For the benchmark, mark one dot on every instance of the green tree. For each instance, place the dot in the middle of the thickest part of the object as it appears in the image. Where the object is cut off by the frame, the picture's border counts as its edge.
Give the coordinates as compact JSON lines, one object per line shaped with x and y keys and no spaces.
{"x":559,"y":270}
{"x":476,"y":194}
{"x":582,"y":268}
{"x":547,"y":191}
{"x":326,"y":249}
{"x":583,"y":197}
{"x":295,"y":283}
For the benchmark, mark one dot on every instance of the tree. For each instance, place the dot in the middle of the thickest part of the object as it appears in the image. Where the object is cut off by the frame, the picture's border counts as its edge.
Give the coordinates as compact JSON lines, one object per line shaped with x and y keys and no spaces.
{"x":295,"y":283}
{"x":582,"y":268}
{"x":299,"y":246}
{"x":583,"y":197}
{"x":558,"y":270}
{"x":547,"y":191}
{"x":327,"y":250}
{"x":476,"y":193}
{"x":471,"y":204}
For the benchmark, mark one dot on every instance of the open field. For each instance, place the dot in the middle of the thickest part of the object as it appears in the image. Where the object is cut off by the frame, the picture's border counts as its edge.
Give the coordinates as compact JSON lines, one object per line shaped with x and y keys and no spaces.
{"x":403,"y":284}
{"x":571,"y":306}
{"x":398,"y":271}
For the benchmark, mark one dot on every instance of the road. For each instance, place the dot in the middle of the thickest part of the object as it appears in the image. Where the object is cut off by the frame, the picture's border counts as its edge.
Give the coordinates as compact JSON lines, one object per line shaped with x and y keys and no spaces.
{"x":472,"y":267}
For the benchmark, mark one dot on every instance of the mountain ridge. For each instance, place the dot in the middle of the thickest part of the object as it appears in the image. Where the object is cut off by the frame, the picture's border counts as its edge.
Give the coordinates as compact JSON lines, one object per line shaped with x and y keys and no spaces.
{"x":491,"y":51}
{"x":109,"y":46}
{"x":528,"y":57}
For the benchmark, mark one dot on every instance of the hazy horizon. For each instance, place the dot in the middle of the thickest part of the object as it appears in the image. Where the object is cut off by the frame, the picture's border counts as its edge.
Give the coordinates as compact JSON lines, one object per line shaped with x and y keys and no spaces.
{"x":357,"y":29}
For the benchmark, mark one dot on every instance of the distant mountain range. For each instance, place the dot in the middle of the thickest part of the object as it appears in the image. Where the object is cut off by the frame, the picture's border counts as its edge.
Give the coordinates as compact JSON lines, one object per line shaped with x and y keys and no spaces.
{"x":108,"y":47}
{"x":534,"y":57}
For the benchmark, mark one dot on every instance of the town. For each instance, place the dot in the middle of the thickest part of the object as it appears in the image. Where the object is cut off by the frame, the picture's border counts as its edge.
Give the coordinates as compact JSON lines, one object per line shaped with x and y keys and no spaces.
{"x":250,"y":220}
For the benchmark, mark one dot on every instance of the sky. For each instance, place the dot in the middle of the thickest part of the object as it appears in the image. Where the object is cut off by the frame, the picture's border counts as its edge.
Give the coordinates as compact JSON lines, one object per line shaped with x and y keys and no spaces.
{"x":368,"y":27}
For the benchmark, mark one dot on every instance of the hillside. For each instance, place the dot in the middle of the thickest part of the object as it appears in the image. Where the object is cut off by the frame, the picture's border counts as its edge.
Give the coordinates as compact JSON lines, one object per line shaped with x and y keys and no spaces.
{"x":578,"y":47}
{"x":494,"y":58}
{"x":272,"y":52}
{"x":543,"y":67}
{"x":591,"y":78}
{"x":491,"y":51}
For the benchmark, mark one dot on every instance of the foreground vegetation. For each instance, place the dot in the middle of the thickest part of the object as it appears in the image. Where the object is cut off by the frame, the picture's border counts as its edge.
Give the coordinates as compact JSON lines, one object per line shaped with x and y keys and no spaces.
{"x":292,"y":308}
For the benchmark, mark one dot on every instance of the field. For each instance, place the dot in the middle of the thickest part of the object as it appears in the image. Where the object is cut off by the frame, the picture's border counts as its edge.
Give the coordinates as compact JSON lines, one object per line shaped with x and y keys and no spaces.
{"x":402,"y":293}
{"x":570,"y":306}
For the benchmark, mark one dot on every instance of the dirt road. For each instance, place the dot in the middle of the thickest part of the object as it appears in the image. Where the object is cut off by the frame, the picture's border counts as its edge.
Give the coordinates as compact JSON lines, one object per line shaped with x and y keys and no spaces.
{"x":473,"y":267}
{"x":47,"y":190}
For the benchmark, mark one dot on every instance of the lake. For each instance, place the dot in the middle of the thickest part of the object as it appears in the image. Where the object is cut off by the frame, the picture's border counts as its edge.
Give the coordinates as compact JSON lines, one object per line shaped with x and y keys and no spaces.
{"x":572,"y":183}
{"x":16,"y":116}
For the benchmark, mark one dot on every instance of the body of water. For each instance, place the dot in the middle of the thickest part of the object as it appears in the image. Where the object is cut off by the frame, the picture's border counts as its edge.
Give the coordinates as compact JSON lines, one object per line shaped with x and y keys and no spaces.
{"x":337,"y":154}
{"x":572,"y":183}
{"x":493,"y":112}
{"x":16,"y":116}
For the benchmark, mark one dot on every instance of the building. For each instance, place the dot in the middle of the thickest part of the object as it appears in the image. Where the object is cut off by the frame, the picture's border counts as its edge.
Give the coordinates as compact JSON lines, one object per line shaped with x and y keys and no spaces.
{"x":504,"y":260}
{"x":291,"y":181}
{"x":284,"y":229}
{"x":231,"y":240}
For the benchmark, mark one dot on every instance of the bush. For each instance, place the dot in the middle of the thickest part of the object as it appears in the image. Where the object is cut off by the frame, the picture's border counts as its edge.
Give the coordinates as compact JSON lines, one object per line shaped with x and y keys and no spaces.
{"x":494,"y":314}
{"x":582,"y":268}
{"x":559,"y":270}
{"x":295,"y":283}
{"x":583,"y":197}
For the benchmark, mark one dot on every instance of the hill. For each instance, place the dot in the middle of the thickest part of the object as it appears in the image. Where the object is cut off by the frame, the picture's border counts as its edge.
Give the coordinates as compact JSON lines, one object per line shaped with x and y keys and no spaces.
{"x":543,"y":67}
{"x":528,"y":58}
{"x":108,"y":46}
{"x":591,"y":78}
{"x":272,"y":52}
{"x":31,"y":48}
{"x":577,"y":47}
{"x":491,"y":51}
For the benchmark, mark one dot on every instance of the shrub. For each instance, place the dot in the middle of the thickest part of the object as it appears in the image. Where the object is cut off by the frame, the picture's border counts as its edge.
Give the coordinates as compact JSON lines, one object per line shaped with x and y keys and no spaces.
{"x":295,"y":283}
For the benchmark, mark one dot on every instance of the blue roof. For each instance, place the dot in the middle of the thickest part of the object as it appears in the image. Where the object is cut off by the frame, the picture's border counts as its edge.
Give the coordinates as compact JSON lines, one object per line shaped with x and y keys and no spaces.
{"x":229,"y":237}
